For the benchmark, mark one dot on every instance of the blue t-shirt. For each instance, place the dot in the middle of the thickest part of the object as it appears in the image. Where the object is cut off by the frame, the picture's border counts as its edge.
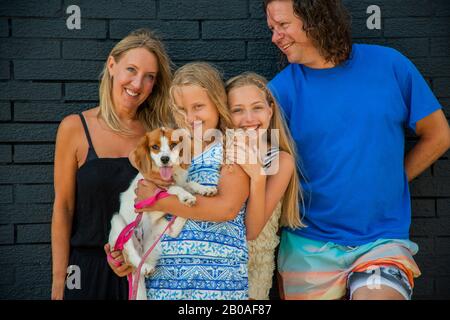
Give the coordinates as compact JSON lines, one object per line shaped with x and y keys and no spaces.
{"x":349,"y":126}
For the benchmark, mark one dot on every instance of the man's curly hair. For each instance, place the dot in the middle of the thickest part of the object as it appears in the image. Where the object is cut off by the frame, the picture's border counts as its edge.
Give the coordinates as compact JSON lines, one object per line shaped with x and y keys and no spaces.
{"x":327,"y":23}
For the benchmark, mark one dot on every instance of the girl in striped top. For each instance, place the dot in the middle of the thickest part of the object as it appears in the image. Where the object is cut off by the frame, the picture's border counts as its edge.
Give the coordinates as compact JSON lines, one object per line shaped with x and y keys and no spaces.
{"x":274,"y":188}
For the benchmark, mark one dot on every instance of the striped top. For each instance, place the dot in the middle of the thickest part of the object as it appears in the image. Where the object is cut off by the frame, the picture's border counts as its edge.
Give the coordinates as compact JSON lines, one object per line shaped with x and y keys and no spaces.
{"x":261,"y":264}
{"x":271,"y":154}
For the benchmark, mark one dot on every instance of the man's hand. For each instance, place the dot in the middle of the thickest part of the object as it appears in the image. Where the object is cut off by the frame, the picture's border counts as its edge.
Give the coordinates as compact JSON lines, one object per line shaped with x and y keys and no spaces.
{"x":434,"y":134}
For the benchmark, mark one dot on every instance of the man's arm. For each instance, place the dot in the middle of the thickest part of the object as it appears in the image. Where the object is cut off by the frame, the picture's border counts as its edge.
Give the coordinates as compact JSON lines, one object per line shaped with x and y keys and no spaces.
{"x":434,"y":133}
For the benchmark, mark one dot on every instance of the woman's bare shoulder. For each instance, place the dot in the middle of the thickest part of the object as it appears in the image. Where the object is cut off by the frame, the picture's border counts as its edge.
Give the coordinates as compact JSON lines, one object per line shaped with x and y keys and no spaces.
{"x":286,"y":162}
{"x":72,"y":123}
{"x":91,"y":113}
{"x":286,"y":158}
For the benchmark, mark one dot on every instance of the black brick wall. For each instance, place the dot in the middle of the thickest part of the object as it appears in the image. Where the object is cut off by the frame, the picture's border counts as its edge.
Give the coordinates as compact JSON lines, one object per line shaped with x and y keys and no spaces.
{"x":48,"y":71}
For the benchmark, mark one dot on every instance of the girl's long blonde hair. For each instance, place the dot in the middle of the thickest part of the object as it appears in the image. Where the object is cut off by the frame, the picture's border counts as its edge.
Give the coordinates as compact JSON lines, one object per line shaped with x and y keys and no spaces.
{"x":290,"y":216}
{"x":154,"y":112}
{"x":206,"y":76}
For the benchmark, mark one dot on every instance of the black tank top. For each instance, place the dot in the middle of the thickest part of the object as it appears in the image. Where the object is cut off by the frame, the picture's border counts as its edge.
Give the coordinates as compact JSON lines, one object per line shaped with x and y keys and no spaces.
{"x":99,"y":183}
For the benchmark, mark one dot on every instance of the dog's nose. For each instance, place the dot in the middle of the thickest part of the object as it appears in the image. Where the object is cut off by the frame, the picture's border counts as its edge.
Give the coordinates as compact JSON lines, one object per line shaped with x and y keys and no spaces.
{"x":165,"y":159}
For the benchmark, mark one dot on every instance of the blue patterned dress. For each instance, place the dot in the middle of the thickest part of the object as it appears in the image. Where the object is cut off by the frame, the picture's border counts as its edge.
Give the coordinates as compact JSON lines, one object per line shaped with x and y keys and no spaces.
{"x":208,"y":260}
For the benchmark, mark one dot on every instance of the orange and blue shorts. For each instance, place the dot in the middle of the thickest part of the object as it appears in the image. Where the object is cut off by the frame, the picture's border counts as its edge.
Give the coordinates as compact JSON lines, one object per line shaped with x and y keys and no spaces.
{"x":317,"y":270}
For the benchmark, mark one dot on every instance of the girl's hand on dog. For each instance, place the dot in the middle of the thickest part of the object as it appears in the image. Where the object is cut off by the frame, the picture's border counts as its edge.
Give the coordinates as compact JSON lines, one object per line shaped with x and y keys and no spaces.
{"x":145,"y":190}
{"x":124,"y":269}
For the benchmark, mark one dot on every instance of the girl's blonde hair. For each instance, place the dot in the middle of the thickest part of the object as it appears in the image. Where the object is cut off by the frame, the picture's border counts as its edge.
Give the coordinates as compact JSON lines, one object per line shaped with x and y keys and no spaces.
{"x":154,"y":112}
{"x":290,"y":216}
{"x":206,"y":76}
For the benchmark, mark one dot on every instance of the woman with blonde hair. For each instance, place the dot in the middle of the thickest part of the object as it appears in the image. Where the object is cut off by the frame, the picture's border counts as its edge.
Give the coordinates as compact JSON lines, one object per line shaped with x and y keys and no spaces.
{"x":275,"y":195}
{"x":92,"y":167}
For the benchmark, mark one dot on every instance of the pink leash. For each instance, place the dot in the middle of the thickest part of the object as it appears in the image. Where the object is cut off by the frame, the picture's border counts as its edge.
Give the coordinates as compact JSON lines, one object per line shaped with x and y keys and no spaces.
{"x":126,"y":235}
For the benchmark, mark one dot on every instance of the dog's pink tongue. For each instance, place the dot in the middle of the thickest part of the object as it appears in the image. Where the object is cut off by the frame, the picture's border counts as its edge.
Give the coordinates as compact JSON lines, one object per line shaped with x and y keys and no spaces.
{"x":166,"y":173}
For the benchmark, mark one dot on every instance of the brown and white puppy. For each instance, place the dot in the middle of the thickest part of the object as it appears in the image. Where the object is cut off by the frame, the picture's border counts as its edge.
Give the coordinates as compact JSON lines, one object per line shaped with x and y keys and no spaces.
{"x":156,"y":152}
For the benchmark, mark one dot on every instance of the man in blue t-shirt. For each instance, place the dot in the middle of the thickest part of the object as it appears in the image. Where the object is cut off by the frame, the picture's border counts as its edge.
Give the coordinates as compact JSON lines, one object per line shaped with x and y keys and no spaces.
{"x":347,"y":106}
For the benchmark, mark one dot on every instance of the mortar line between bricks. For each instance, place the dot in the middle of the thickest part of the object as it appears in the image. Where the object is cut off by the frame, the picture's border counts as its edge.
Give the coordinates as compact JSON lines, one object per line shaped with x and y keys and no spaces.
{"x":37,"y":122}
{"x":246,"y":50}
{"x":53,"y":60}
{"x":11,"y":70}
{"x":13,"y":149}
{"x":429,"y":47}
{"x":56,"y":81}
{"x":423,"y":198}
{"x":12,"y":111}
{"x":157,"y":10}
{"x":5,"y":143}
{"x":36,"y":243}
{"x":108,"y":28}
{"x":32,"y":163}
{"x":30,"y":122}
{"x":36,"y":184}
{"x":11,"y":106}
{"x":15,"y":234}
{"x":31,"y":223}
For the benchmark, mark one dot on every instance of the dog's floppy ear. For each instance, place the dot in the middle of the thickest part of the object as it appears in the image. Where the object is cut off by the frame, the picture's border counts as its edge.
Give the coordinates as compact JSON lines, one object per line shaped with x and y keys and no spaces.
{"x":182,"y":138}
{"x":184,"y":156}
{"x":141,"y":156}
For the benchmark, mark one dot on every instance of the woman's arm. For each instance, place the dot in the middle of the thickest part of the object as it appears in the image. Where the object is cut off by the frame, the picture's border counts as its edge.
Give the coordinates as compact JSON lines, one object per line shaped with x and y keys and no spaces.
{"x":65,"y":168}
{"x":265,"y":193}
{"x":233,"y":190}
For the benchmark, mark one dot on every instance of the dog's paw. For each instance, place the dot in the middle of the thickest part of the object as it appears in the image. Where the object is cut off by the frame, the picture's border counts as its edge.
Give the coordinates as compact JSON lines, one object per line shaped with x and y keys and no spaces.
{"x":188,"y":199}
{"x":147,"y":269}
{"x":208,"y":191}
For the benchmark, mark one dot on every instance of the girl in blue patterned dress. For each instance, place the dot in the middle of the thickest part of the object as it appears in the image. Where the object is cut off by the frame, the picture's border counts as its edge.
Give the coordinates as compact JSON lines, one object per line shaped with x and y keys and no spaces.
{"x":208,"y":259}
